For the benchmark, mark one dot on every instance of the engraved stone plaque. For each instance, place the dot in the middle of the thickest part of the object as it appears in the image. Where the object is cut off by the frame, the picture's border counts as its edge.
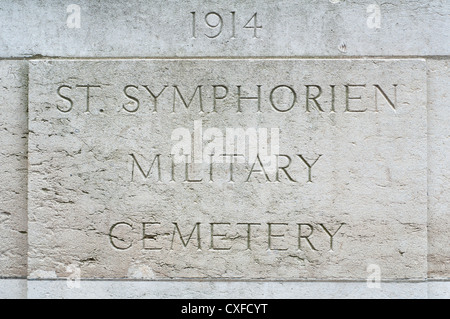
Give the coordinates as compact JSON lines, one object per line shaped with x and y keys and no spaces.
{"x":287,"y":169}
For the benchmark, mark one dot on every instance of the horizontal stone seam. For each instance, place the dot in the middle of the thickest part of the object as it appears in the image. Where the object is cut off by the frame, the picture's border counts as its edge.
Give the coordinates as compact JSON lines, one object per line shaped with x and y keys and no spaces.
{"x":18,"y":279}
{"x":347,"y":57}
{"x":188,"y":280}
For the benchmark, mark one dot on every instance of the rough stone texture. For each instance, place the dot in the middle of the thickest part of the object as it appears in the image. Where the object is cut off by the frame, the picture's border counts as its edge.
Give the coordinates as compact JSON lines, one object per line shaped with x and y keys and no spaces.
{"x":371,"y":176}
{"x":141,"y":28}
{"x":13,"y":168}
{"x":439,"y":172}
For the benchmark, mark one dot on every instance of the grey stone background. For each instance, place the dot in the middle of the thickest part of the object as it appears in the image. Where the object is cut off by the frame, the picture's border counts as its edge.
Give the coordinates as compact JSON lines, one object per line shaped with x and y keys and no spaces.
{"x":162,"y":28}
{"x":157,"y":29}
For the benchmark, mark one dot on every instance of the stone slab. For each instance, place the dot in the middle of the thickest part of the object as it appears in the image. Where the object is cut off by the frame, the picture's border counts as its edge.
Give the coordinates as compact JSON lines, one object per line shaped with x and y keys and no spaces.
{"x":439,"y":289}
{"x":13,"y":289}
{"x":439,"y":173}
{"x":59,"y":289}
{"x":162,"y":28}
{"x":13,"y":168}
{"x":359,"y":209}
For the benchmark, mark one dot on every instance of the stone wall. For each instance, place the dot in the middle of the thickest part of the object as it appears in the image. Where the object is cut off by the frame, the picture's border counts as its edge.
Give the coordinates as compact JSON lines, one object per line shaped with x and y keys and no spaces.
{"x":357,"y":90}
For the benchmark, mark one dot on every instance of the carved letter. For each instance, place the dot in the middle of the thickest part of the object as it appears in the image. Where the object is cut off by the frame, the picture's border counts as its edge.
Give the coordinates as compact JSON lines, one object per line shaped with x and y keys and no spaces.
{"x":177,"y":229}
{"x":300,"y":236}
{"x":111,"y":236}
{"x":88,"y":93}
{"x":257,"y":98}
{"x":155,"y":97}
{"x":232,"y":158}
{"x":219,"y":97}
{"x":262,"y":170}
{"x":294,"y":98}
{"x":187,"y":178}
{"x":176,"y":90}
{"x":135,"y":161}
{"x":283,"y":168}
{"x":147,"y":236}
{"x":348,"y":97}
{"x":309,"y":166}
{"x":249,"y":232}
{"x":65,"y":98}
{"x":314,"y":98}
{"x":125,"y":91}
{"x":217,"y":235}
{"x":275,"y":236}
{"x":331,"y":235}
{"x":392,"y":104}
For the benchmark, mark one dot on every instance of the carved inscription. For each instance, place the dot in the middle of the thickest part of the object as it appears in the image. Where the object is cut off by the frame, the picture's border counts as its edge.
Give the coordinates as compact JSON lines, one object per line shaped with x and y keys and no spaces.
{"x":173,"y":98}
{"x":215,"y":236}
{"x":162,"y":168}
{"x":228,"y":168}
{"x":214,"y":24}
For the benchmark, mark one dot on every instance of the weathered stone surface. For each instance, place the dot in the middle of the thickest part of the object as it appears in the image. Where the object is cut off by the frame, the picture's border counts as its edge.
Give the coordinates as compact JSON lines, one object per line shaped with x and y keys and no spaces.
{"x":91,"y":207}
{"x":233,"y":289}
{"x":439,"y":289}
{"x":161,"y":28}
{"x":13,"y":168}
{"x":13,"y":289}
{"x":439,"y":172}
